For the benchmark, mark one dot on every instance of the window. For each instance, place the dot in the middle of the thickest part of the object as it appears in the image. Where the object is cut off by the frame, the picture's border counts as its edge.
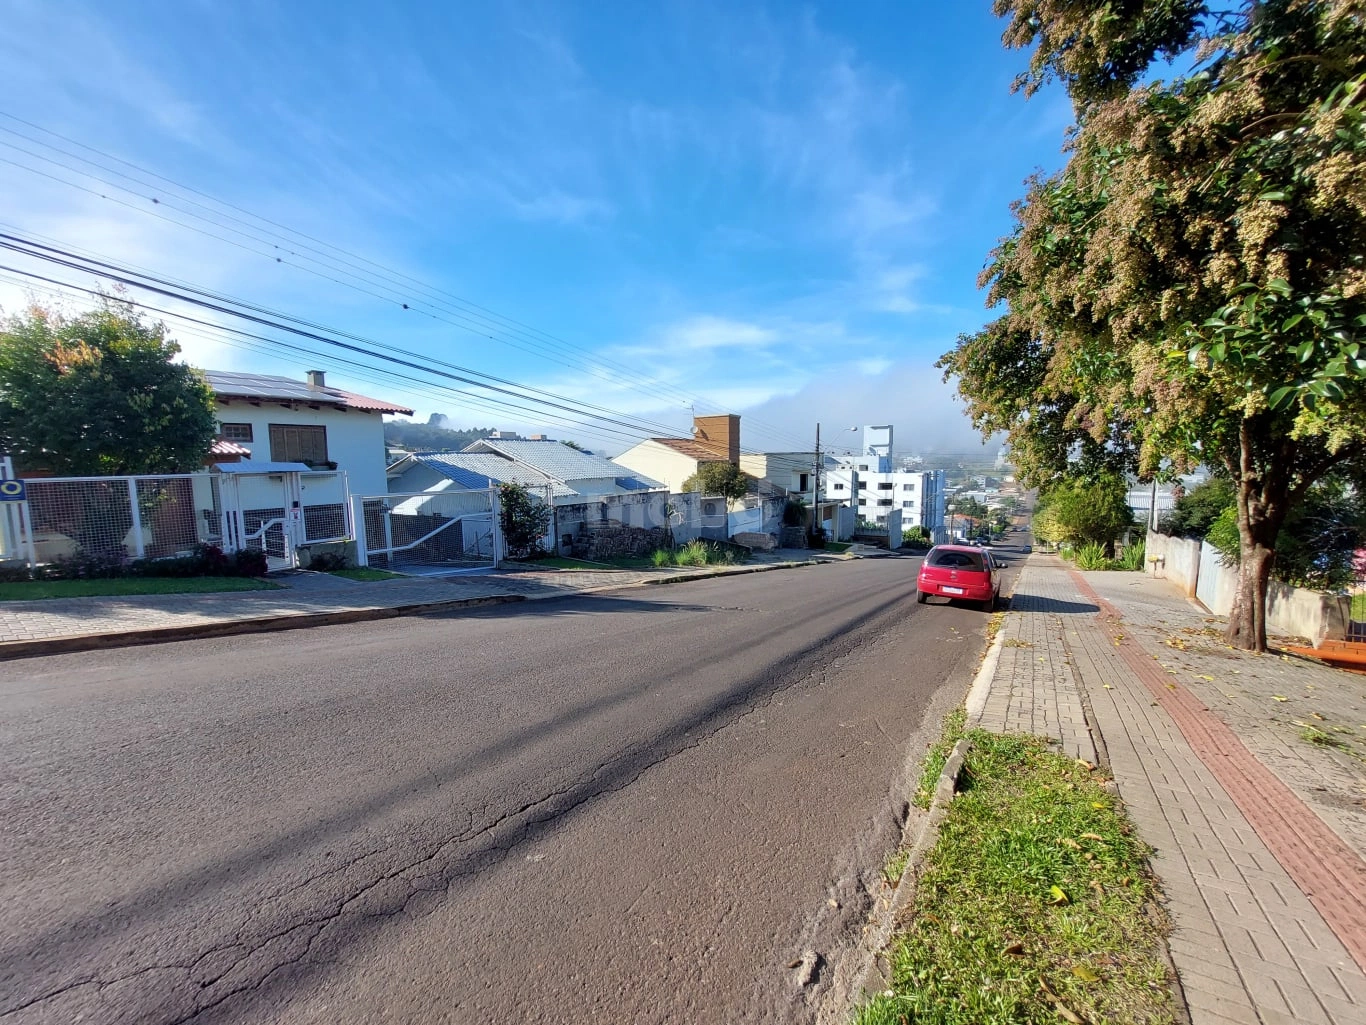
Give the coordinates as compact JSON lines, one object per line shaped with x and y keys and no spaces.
{"x":957,"y":560}
{"x":863,"y":466}
{"x":884,"y":486}
{"x":803,"y":481}
{"x":839,"y":487}
{"x":863,"y":501}
{"x":861,"y":485}
{"x":298,"y":443}
{"x":237,"y":432}
{"x":908,"y":505}
{"x":908,"y":487}
{"x":884,"y":501}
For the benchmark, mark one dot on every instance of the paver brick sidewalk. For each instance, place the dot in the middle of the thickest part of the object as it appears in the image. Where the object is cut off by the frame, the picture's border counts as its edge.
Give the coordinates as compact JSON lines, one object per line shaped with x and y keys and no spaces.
{"x":1267,"y":894}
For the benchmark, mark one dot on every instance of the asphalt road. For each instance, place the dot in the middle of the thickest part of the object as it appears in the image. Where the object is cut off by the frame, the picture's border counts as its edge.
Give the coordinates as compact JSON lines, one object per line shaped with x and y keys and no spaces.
{"x":637,"y":807}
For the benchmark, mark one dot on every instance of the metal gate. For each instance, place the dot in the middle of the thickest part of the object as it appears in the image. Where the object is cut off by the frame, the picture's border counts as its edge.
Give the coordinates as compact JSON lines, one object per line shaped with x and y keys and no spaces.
{"x":280,"y":510}
{"x":432,"y":531}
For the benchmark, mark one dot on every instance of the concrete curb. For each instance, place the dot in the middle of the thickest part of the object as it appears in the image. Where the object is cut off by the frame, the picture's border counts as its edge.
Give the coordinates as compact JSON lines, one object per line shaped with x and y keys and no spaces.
{"x":980,"y":690}
{"x":299,"y":621}
{"x":264,"y":624}
{"x":729,"y":571}
{"x":876,"y":979}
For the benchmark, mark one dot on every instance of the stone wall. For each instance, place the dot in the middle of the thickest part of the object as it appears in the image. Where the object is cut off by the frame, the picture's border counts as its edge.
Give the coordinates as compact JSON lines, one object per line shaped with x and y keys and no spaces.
{"x":756,"y":541}
{"x":792,"y":537}
{"x":599,"y":543}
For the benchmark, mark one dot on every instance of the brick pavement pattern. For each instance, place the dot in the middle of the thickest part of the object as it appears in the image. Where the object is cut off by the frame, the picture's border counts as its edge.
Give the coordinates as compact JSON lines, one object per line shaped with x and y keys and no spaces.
{"x":1249,"y":943}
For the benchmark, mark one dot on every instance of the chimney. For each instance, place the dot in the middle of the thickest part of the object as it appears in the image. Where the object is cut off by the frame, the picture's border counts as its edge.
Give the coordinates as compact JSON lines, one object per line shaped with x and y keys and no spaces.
{"x":720,"y":434}
{"x":315,"y":379}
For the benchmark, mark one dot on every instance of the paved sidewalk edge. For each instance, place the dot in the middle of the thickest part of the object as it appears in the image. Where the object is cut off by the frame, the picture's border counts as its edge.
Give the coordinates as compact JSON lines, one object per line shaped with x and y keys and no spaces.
{"x":1319,"y":862}
{"x":302,"y":620}
{"x":976,"y":701}
{"x":263,"y":624}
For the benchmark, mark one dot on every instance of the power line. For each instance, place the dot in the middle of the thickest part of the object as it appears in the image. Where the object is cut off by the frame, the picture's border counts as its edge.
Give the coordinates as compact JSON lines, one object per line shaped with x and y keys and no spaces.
{"x":483,"y":320}
{"x":252,"y":312}
{"x":247,"y":340}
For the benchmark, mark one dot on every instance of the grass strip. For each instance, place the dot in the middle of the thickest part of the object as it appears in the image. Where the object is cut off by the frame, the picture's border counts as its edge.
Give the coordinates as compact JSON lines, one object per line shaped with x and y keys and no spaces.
{"x":365,"y":573}
{"x":31,"y":590}
{"x":1359,"y":607}
{"x":1035,"y":906}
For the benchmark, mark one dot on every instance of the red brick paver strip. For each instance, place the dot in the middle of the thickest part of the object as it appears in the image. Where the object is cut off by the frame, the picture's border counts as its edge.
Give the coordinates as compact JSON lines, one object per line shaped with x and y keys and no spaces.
{"x":1248,"y":944}
{"x":1326,"y":870}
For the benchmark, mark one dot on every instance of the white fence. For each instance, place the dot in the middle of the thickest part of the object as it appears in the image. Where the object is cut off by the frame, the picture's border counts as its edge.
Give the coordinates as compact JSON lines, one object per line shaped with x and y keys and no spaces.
{"x":435,"y":530}
{"x":168,"y":515}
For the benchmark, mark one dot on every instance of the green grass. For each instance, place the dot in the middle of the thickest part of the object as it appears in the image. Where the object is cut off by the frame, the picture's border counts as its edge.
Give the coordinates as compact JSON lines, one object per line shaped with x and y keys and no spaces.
{"x":1359,"y":607}
{"x":365,"y":573}
{"x":837,"y":546}
{"x":937,"y":755}
{"x":1035,"y":898}
{"x":29,"y":590}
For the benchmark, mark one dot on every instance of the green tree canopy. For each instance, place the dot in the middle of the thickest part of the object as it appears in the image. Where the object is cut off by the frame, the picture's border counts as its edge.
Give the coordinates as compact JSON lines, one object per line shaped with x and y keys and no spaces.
{"x":1194,"y":512}
{"x":720,"y":478}
{"x":1191,"y":287}
{"x":100,"y":394}
{"x":1081,"y":512}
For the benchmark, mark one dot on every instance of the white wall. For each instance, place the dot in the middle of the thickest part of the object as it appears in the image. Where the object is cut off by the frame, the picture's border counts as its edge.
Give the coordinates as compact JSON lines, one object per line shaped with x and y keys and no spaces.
{"x":355,"y":439}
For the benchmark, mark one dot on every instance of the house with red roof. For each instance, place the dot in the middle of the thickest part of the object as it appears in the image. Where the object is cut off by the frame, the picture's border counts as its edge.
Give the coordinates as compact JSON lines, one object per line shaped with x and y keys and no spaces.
{"x":266,"y":419}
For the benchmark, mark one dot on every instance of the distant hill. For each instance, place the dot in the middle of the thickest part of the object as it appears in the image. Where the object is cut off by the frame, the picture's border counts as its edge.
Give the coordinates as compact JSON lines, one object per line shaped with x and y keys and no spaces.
{"x":430,"y":438}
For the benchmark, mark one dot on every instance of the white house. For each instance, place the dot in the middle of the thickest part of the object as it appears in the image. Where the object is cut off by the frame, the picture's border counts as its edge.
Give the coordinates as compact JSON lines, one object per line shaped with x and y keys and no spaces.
{"x":281,"y":420}
{"x":874,"y":487}
{"x":716,"y":439}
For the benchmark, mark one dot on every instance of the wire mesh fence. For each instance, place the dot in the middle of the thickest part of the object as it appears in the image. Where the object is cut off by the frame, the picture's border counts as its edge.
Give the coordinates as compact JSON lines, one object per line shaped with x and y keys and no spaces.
{"x":116,"y":519}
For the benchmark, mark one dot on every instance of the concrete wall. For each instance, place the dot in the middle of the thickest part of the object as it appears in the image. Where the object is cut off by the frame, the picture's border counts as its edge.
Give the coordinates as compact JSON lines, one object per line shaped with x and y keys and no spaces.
{"x":1197,"y":570}
{"x":1174,"y":559}
{"x":1217,"y":583}
{"x":355,"y":439}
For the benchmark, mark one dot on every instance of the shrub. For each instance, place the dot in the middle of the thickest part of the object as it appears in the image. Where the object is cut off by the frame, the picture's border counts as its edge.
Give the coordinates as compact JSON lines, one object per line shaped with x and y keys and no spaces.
{"x":915,"y":537}
{"x":1132,"y":558}
{"x":662,"y":557}
{"x":694,"y":553}
{"x":329,"y":562}
{"x":250,"y":562}
{"x":1091,"y":556}
{"x":524,"y":520}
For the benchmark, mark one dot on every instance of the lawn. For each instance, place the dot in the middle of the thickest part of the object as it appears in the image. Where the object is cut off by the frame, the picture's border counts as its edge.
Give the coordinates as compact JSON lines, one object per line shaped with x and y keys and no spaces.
{"x":837,"y":546}
{"x":365,"y":573}
{"x":29,"y":590}
{"x":1035,"y":906}
{"x":1359,"y":607}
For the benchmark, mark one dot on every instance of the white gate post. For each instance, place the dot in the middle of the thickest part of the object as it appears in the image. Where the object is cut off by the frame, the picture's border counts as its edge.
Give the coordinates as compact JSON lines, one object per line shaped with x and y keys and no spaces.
{"x":357,"y":507}
{"x":139,"y":550}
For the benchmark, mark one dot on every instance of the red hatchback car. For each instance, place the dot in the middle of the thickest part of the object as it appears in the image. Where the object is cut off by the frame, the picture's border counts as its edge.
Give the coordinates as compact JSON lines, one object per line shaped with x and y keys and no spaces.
{"x":960,"y":571}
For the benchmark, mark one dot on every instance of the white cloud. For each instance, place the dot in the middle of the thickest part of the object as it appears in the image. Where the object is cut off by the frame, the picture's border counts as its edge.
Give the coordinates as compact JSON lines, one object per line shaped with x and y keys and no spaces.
{"x":708,"y":332}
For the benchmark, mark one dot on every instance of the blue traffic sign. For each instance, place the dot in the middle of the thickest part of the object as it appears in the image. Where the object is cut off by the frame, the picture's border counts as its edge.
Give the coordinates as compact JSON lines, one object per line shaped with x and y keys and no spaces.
{"x":12,"y":491}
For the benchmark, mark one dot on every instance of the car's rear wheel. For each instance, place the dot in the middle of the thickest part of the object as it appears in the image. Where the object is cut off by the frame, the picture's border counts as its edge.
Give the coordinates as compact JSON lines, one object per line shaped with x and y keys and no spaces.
{"x":990,"y":604}
{"x":921,"y":597}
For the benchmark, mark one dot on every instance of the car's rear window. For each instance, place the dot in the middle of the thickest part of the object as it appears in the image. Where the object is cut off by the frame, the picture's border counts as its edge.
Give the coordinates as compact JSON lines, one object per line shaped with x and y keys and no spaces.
{"x":956,"y":560}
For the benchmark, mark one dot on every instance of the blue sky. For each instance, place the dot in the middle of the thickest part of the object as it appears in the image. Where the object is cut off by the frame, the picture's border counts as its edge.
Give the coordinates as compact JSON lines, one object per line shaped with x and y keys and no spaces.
{"x":772,"y":209}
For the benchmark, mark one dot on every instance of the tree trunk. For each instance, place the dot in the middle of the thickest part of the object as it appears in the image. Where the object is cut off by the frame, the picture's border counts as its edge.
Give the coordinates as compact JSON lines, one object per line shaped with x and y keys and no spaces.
{"x":1263,"y":501}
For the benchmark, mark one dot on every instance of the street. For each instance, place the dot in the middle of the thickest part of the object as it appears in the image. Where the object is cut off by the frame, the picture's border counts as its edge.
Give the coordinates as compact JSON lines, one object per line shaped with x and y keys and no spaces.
{"x":640,"y":806}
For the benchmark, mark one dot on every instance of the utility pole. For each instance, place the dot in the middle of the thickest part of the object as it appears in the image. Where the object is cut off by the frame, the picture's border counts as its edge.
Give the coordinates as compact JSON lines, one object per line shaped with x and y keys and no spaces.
{"x":816,"y":487}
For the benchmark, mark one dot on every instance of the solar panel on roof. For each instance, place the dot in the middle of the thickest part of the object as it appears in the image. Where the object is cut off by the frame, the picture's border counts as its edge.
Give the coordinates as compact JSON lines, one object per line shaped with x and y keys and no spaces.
{"x":266,"y":386}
